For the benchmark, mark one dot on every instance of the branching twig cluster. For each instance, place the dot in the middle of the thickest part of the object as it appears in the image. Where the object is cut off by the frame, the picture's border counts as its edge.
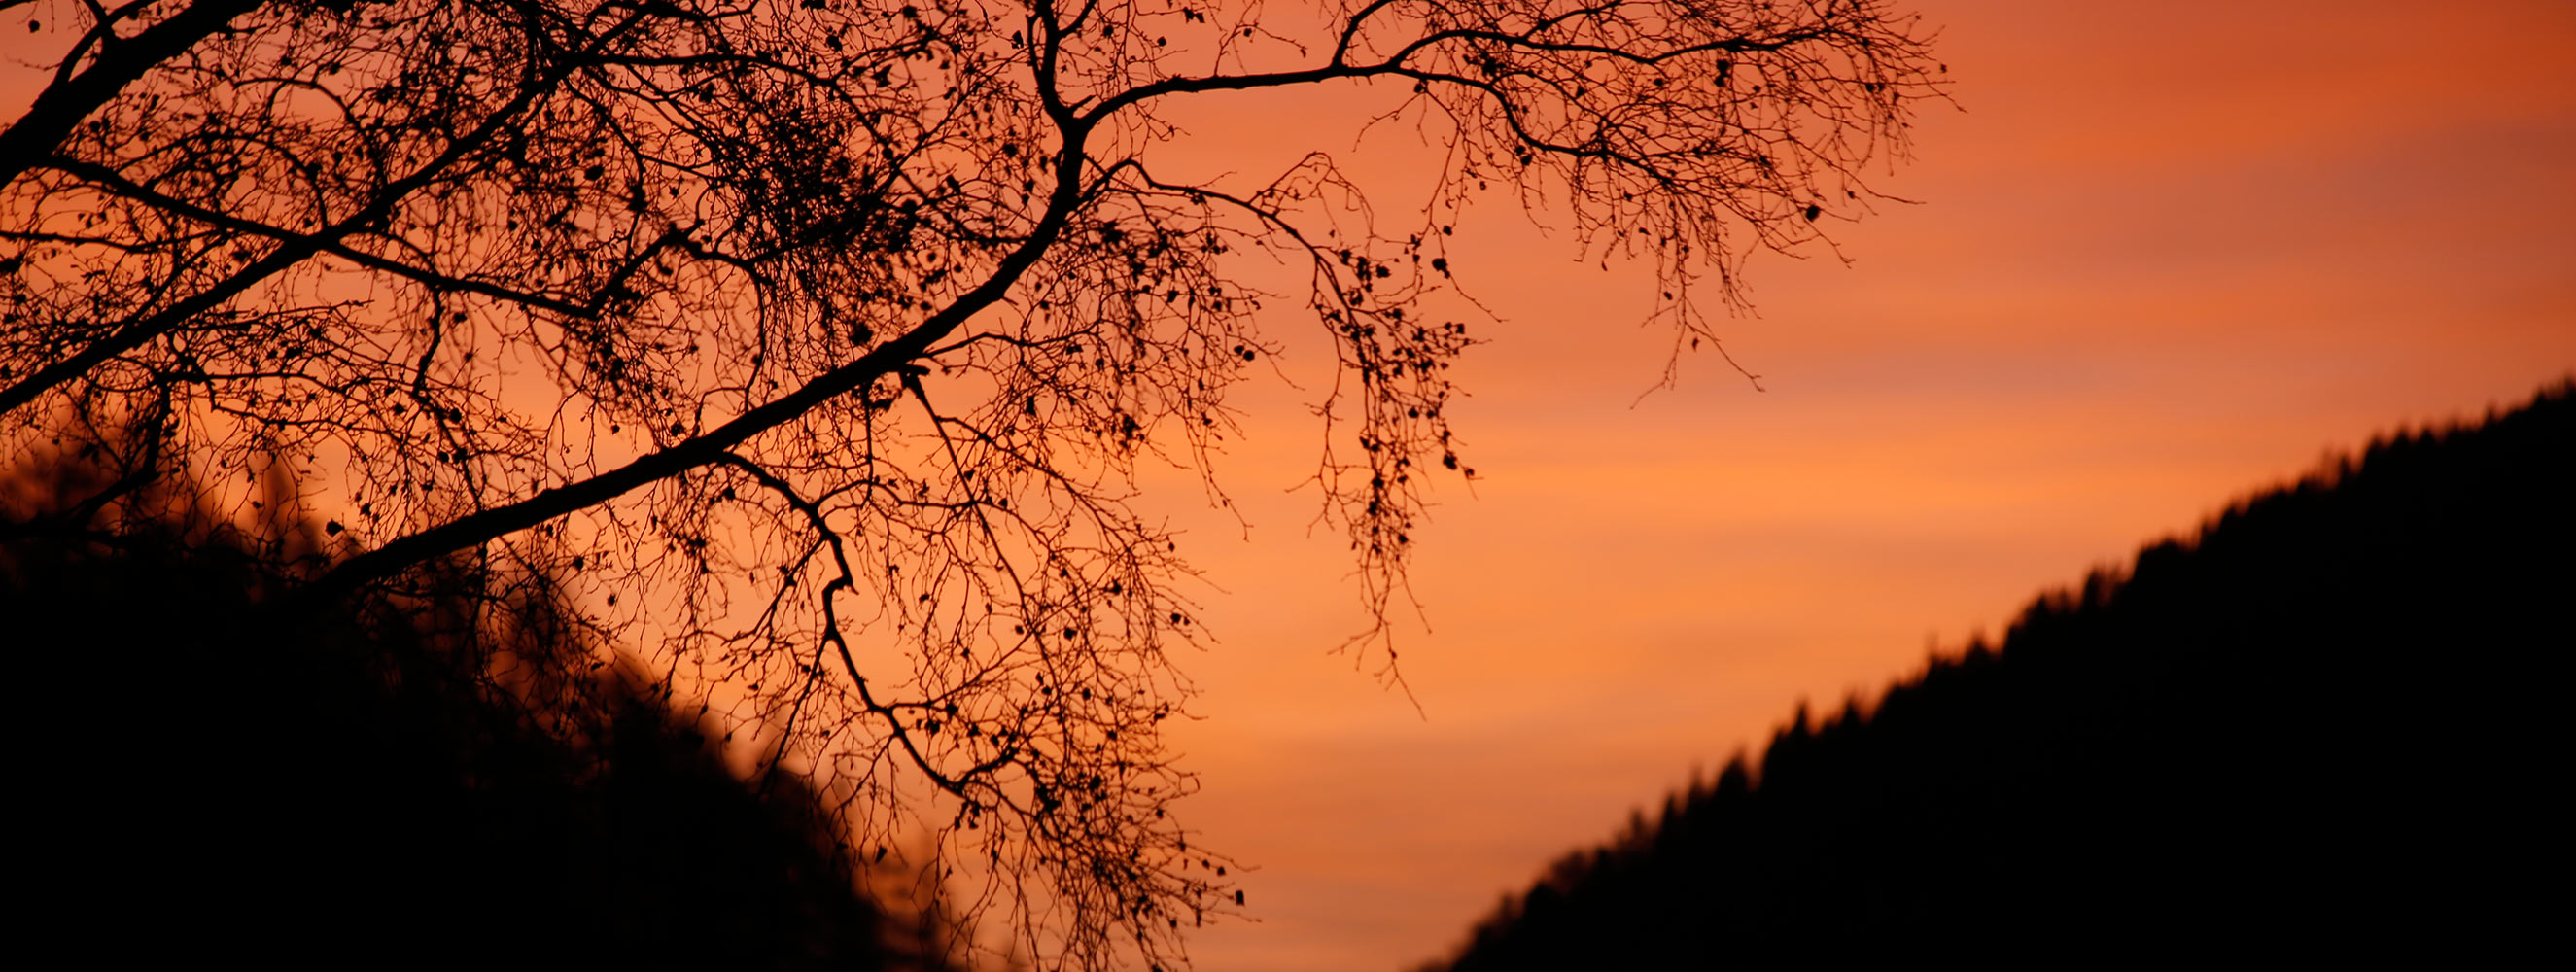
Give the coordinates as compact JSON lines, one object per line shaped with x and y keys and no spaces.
{"x":819,"y":341}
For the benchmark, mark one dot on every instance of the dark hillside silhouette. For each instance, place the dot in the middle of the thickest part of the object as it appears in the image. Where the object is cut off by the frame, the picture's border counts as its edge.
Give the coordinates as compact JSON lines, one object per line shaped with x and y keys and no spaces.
{"x":2329,"y":725}
{"x":410,"y":781}
{"x":876,"y":309}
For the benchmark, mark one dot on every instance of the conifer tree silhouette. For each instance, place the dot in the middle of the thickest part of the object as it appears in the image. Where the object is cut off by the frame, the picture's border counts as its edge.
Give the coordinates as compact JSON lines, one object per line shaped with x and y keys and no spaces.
{"x":423,"y":777}
{"x":2323,"y":728}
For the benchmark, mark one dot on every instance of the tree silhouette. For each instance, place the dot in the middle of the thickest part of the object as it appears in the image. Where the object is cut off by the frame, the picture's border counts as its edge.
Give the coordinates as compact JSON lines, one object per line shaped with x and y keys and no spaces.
{"x":819,"y":341}
{"x":414,"y":777}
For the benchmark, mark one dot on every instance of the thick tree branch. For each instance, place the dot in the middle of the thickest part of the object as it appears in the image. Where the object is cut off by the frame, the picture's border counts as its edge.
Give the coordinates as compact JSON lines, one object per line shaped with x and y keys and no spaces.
{"x":133,"y":334}
{"x":63,"y":104}
{"x":709,"y":447}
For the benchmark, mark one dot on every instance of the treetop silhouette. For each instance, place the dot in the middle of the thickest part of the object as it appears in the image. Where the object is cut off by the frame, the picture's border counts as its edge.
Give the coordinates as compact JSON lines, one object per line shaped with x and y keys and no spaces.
{"x":819,"y":341}
{"x":428,"y":776}
{"x":2321,"y":726}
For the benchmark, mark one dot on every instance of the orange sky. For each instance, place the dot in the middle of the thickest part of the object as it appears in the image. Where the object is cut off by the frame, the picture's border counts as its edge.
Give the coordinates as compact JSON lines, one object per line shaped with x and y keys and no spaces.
{"x":2169,"y":253}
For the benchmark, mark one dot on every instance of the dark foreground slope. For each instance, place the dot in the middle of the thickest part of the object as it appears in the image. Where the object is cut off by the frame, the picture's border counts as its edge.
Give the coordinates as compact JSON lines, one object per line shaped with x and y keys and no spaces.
{"x":422,"y":781}
{"x":2331,"y":725}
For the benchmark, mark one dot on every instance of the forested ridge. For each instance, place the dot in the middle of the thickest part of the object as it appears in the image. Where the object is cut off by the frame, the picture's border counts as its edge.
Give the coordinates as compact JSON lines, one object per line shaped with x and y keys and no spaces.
{"x":431,"y":775}
{"x":2328,"y":724}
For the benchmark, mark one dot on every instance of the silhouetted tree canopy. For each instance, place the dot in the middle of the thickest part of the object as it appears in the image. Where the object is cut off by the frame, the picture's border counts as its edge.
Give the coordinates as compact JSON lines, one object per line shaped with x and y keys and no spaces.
{"x":428,"y":776}
{"x":2326,"y":728}
{"x":819,"y":341}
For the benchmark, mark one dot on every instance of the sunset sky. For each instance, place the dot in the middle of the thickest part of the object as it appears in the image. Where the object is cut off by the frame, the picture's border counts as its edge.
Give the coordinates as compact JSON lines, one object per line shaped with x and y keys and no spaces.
{"x":2158,"y":256}
{"x":2165,"y":254}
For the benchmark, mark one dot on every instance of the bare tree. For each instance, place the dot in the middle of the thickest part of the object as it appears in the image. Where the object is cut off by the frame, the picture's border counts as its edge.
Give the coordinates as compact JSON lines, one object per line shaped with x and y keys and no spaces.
{"x":820,"y":340}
